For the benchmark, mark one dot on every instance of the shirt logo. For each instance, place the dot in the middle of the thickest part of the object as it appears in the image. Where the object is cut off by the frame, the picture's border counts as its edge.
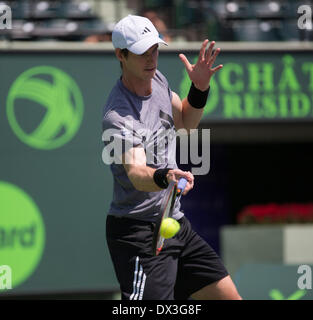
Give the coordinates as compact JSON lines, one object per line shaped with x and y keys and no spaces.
{"x":166,"y":120}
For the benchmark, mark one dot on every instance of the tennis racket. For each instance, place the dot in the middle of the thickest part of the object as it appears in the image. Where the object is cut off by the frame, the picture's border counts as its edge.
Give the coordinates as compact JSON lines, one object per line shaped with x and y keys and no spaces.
{"x":172,"y":195}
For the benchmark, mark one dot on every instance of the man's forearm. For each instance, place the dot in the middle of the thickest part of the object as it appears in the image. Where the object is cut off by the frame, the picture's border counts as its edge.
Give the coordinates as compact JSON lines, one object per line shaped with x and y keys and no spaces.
{"x":141,"y":177}
{"x":191,"y":116}
{"x":143,"y":180}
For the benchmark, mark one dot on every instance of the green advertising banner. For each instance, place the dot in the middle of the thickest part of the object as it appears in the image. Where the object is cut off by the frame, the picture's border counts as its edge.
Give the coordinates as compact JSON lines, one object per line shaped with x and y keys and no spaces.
{"x":274,"y":282}
{"x":55,"y":190}
{"x":259,"y":86}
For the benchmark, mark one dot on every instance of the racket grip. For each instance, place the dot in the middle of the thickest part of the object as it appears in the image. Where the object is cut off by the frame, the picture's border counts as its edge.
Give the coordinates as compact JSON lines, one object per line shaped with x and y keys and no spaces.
{"x":181,"y":184}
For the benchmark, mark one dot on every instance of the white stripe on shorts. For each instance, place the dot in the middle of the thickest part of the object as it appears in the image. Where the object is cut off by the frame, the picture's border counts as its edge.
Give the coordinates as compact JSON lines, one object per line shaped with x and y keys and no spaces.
{"x":139,"y":282}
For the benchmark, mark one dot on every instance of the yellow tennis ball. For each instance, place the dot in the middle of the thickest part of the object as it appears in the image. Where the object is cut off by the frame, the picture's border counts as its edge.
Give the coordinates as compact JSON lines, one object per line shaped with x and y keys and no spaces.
{"x":169,"y":227}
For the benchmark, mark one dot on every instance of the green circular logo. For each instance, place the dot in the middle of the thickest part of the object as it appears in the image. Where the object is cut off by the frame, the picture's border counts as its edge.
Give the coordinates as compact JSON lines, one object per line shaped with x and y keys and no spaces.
{"x":22,"y":232}
{"x":45,"y":107}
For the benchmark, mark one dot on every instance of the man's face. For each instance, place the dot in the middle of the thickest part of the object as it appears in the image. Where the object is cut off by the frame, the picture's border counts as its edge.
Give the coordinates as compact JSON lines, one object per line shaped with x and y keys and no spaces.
{"x":142,"y":66}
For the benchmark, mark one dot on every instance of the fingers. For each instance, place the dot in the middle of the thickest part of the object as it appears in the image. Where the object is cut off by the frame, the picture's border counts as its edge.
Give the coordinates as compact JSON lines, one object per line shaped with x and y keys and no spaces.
{"x":176,"y":174}
{"x":217,"y":68}
{"x":190,"y":183}
{"x":204,"y":66}
{"x":209,"y":58}
{"x":212,"y":59}
{"x":205,"y":55}
{"x":185,"y":62}
{"x":202,"y":50}
{"x":208,"y":52}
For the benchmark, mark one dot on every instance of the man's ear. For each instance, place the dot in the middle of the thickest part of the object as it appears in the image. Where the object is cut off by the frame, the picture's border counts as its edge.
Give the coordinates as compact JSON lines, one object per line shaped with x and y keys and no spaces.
{"x":119,"y":55}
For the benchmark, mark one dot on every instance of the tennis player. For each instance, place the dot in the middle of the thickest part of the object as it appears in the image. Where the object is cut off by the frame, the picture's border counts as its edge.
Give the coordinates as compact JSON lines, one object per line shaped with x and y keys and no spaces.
{"x":144,"y":114}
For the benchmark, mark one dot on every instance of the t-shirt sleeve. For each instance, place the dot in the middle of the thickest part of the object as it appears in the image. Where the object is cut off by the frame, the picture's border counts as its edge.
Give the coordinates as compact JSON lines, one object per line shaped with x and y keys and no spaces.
{"x":165,"y":83}
{"x":120,"y":134}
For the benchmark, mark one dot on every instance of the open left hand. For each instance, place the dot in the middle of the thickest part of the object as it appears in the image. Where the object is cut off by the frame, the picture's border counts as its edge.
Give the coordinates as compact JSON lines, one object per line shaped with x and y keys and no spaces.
{"x":201,"y":72}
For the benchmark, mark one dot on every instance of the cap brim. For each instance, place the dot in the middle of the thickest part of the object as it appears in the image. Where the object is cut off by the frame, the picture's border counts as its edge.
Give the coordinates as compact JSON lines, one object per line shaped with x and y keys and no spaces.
{"x":143,"y":45}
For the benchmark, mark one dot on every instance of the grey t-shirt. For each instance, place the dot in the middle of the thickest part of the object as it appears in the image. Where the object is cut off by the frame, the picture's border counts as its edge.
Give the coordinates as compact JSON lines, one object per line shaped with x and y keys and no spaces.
{"x":134,"y":121}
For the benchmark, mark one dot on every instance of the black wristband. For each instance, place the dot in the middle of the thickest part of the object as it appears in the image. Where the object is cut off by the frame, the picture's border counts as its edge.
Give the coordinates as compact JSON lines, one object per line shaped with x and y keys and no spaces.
{"x":196,"y":97}
{"x":159,"y":177}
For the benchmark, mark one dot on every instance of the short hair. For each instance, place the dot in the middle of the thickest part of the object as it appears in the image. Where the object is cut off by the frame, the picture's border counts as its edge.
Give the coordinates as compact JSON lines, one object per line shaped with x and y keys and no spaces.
{"x":125,"y":54}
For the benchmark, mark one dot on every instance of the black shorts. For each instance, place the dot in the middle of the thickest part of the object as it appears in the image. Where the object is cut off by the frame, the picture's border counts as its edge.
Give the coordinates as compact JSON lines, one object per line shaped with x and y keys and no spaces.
{"x":185,"y":265}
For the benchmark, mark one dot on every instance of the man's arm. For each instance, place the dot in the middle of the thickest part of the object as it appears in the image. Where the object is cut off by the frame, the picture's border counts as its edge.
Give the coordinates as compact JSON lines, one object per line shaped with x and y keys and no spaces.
{"x":185,"y":113}
{"x":185,"y":116}
{"x":141,"y":175}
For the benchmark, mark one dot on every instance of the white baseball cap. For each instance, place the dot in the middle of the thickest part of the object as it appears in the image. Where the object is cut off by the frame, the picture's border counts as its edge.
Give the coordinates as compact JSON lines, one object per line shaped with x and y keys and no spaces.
{"x":135,"y":33}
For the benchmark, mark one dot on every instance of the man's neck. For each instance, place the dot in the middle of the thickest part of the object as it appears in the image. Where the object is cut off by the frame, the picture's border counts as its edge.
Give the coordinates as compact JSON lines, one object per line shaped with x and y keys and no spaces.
{"x":139,"y":87}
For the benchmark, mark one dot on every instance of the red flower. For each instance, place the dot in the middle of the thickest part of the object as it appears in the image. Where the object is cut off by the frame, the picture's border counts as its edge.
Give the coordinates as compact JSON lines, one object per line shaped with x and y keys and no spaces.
{"x":277,"y":213}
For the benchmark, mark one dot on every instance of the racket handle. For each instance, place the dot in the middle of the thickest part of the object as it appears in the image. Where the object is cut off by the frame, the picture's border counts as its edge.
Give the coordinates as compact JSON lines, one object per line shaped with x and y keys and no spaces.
{"x":181,"y":185}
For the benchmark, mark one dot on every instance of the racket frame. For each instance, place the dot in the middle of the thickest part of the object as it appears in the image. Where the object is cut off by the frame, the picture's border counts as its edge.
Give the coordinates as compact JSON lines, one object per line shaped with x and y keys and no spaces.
{"x":172,"y":195}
